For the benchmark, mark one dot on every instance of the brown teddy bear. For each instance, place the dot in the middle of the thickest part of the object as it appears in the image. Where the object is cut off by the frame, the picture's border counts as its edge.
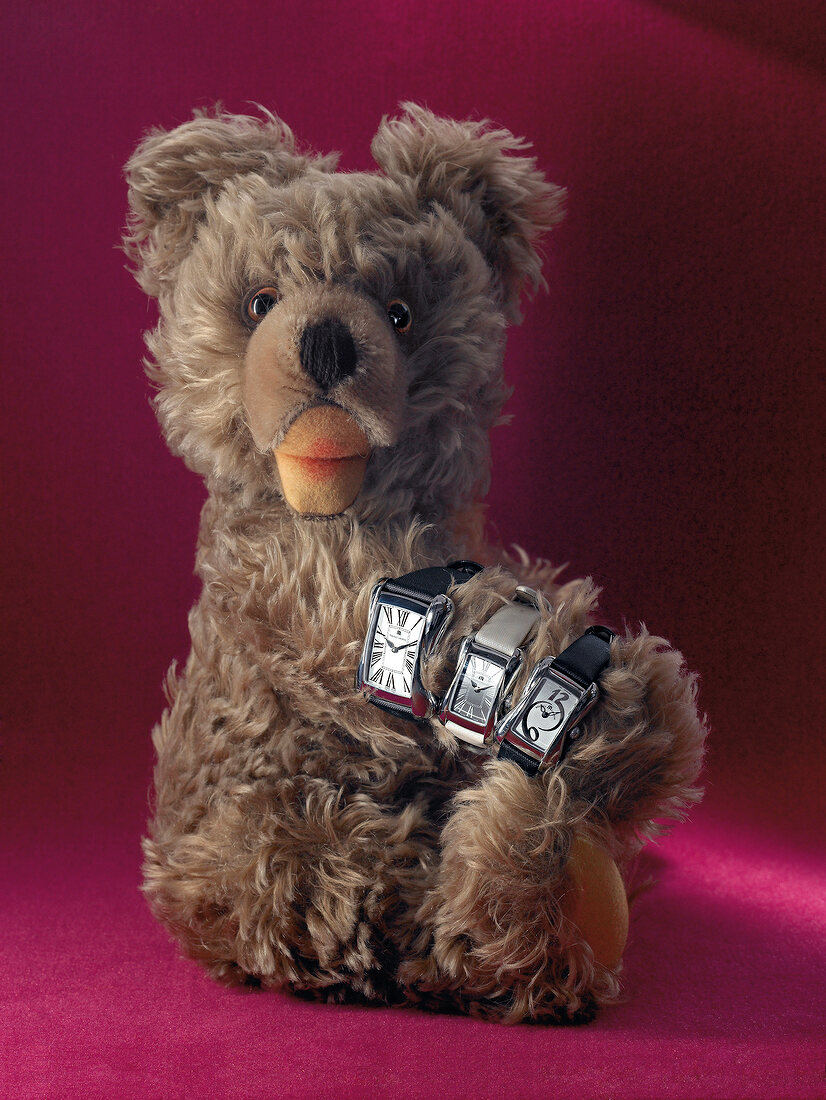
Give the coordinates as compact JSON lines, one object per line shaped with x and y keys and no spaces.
{"x":329,"y":359}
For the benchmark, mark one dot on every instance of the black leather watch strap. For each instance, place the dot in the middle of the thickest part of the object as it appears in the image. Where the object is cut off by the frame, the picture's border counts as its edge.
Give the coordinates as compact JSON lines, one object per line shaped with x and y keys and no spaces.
{"x":433,"y":581}
{"x":587,"y":658}
{"x":528,"y":764}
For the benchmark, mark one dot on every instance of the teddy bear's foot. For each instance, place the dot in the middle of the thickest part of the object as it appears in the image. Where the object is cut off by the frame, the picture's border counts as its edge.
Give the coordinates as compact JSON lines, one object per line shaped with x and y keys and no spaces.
{"x":504,"y":941}
{"x":296,"y":886}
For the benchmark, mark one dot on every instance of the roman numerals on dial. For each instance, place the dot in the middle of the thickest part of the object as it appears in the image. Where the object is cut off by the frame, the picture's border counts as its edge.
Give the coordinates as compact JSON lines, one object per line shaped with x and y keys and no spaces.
{"x":477,"y":690}
{"x":393,"y":652}
{"x":395,"y":616}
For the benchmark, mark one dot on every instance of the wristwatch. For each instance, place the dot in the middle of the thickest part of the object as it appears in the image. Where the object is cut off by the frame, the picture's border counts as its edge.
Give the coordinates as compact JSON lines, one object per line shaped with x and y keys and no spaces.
{"x":489,"y":662}
{"x":408,"y":616}
{"x":561,"y":690}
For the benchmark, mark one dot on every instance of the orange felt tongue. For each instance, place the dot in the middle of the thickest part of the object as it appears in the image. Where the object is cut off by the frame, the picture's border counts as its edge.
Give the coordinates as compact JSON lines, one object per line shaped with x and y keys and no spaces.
{"x":321,"y":461}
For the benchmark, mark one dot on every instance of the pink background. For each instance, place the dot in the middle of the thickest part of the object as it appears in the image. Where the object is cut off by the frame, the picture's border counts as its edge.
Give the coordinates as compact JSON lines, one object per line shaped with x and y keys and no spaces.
{"x":667,"y":438}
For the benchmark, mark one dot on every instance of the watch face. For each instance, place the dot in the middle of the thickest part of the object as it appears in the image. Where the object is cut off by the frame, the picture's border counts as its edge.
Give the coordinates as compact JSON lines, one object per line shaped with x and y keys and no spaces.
{"x":546,"y":716}
{"x":477,"y":690}
{"x":393,"y":649}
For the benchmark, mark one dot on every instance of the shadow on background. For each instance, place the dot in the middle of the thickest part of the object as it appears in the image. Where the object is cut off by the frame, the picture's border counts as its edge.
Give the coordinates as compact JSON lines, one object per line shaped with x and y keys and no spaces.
{"x":794,"y":31}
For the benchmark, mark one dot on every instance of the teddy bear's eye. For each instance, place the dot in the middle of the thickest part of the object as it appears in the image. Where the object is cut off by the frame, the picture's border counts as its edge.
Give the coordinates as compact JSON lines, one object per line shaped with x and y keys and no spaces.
{"x":258,"y":304}
{"x":401,"y":317}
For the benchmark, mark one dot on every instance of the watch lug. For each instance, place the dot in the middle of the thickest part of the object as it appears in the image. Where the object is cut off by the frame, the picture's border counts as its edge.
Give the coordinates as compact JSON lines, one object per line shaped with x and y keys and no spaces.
{"x":375,"y":592}
{"x":451,"y":691}
{"x":436,"y":620}
{"x":514,"y":665}
{"x":511,"y":673}
{"x":527,"y":595}
{"x":361,"y":671}
{"x":463,"y":648}
{"x":422,"y":702}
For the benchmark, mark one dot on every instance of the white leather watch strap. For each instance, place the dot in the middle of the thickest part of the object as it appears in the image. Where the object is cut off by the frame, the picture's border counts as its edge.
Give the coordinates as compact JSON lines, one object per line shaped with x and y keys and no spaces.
{"x":508,"y":628}
{"x":470,"y":737}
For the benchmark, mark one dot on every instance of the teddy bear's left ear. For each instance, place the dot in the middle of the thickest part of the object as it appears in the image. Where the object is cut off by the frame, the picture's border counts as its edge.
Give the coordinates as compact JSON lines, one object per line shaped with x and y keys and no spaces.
{"x":499,"y":197}
{"x":172,"y":176}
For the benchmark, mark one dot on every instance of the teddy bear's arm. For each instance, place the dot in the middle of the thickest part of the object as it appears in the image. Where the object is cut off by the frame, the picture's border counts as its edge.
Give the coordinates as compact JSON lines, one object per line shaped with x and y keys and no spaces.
{"x":643,"y":748}
{"x":502,"y":938}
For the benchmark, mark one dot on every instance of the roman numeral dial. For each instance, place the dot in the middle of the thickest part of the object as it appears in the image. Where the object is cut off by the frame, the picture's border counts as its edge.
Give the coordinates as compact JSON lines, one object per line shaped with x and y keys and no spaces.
{"x":477,"y":689}
{"x":393,"y":649}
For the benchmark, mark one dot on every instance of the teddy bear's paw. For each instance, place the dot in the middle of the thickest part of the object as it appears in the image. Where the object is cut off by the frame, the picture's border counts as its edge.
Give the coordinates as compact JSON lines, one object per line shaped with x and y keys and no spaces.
{"x":642,"y":748}
{"x":504,"y":940}
{"x":425,"y":983}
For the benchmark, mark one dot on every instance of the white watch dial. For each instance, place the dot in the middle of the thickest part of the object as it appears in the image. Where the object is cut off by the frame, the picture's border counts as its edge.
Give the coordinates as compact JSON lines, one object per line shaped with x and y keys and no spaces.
{"x":393,"y":651}
{"x":477,"y":690}
{"x":547,"y":714}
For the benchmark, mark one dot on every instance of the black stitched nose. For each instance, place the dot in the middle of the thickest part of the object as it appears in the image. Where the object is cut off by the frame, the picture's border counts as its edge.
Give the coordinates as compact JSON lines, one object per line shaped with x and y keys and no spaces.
{"x":327,"y":352}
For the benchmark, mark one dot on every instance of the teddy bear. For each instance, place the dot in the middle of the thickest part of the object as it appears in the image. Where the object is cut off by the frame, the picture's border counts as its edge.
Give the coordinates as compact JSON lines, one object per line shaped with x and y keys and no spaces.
{"x":329,"y":358}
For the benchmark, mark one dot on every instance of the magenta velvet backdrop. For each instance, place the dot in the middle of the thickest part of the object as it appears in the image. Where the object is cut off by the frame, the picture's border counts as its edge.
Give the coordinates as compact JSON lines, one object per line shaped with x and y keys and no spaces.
{"x":667,"y":438}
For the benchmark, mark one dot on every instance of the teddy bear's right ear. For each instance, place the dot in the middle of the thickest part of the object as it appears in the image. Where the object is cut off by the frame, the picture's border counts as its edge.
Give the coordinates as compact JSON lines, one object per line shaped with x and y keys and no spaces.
{"x":482,"y":175}
{"x":172,"y":175}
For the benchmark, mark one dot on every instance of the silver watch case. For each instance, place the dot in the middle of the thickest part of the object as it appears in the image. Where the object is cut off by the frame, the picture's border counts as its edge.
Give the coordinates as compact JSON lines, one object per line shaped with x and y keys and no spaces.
{"x":438,"y":612}
{"x":548,"y":715}
{"x":478,"y":736}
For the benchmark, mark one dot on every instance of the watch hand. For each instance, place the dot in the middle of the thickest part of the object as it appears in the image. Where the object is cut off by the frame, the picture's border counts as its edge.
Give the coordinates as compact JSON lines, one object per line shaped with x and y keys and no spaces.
{"x":404,"y":642}
{"x":386,"y":638}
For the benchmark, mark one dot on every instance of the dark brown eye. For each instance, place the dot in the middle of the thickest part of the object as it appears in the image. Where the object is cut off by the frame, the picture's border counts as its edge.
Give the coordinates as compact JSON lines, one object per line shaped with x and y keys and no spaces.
{"x":401,"y":317}
{"x":258,"y":304}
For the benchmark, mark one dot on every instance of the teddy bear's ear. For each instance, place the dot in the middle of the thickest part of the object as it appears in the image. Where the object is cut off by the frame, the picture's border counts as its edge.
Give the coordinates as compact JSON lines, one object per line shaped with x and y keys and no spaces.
{"x":172,"y":175}
{"x":476,"y":172}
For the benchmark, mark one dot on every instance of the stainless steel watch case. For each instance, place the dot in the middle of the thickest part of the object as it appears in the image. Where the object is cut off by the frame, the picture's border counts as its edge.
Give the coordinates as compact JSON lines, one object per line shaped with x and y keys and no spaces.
{"x":481,"y":736}
{"x":448,"y":717}
{"x":437,"y":612}
{"x":583,"y":699}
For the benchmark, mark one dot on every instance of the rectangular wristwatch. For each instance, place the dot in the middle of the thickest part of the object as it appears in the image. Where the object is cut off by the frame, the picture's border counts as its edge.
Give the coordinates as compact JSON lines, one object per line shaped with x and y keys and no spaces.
{"x":561,"y":691}
{"x":489,"y":662}
{"x":408,"y":615}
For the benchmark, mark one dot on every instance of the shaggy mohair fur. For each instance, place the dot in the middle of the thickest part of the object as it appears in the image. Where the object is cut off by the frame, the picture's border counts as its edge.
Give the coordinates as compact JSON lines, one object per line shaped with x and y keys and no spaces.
{"x":300,"y":836}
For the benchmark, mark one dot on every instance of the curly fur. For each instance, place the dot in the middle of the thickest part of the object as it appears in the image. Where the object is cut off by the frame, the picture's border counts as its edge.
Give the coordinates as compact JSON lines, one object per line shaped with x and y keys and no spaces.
{"x":301,"y":837}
